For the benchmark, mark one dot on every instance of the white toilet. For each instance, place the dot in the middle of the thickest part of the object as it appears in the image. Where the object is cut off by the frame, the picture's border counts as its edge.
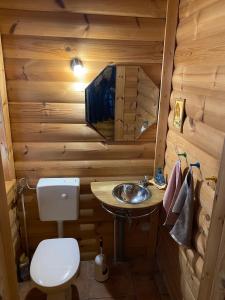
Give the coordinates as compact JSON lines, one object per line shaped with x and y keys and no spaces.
{"x":56,"y":261}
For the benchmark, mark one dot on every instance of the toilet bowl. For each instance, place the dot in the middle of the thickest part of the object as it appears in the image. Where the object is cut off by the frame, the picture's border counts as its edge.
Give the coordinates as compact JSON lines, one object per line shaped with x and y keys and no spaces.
{"x":56,"y":262}
{"x":54,"y":265}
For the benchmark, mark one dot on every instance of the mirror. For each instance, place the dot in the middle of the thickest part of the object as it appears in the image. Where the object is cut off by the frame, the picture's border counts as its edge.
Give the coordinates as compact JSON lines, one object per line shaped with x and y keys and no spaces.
{"x":100,"y":102}
{"x":121,"y":103}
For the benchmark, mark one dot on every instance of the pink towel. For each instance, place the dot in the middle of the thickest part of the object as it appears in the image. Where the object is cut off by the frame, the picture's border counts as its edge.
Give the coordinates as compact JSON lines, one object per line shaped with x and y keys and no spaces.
{"x":171,"y":194}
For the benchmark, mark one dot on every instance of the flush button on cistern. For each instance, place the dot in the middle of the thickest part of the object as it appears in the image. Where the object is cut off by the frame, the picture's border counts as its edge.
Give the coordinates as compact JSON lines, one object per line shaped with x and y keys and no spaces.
{"x":64,"y":195}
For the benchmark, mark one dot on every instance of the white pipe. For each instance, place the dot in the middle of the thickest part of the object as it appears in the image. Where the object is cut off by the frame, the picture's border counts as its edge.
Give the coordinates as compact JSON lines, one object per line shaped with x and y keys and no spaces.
{"x":25,"y":224}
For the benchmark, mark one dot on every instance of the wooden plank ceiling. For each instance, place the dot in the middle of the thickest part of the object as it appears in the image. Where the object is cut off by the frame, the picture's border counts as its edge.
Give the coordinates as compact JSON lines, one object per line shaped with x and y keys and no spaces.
{"x":47,"y":112}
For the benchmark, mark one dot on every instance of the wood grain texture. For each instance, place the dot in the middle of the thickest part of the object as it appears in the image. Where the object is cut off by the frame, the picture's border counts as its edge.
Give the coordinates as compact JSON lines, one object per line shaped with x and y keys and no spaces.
{"x":167,"y":70}
{"x":83,"y":168}
{"x":147,"y":102}
{"x":7,"y":258}
{"x":28,"y":91}
{"x":5,"y":130}
{"x":119,"y":102}
{"x":53,"y":132}
{"x":108,"y":7}
{"x":7,"y":161}
{"x":202,"y":108}
{"x":53,"y":70}
{"x":187,"y":8}
{"x":215,"y":233}
{"x":198,"y":78}
{"x":60,"y":70}
{"x":197,"y":133}
{"x":26,"y":112}
{"x":202,"y":24}
{"x":217,"y":291}
{"x":64,"y":24}
{"x":80,"y":151}
{"x":182,"y":265}
{"x":47,"y":112}
{"x":200,"y":51}
{"x":136,"y":103}
{"x":85,"y":49}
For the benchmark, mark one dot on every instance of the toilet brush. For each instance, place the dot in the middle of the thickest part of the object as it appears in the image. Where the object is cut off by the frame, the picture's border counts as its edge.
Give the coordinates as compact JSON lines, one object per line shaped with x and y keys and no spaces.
{"x":101,"y":268}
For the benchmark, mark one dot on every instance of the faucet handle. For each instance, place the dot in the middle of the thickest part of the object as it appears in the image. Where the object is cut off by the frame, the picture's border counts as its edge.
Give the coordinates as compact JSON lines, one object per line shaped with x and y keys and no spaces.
{"x":144,"y":182}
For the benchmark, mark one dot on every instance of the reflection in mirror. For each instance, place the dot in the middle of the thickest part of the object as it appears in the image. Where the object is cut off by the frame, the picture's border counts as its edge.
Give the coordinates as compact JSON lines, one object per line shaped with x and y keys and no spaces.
{"x":122,"y":103}
{"x":100,"y":102}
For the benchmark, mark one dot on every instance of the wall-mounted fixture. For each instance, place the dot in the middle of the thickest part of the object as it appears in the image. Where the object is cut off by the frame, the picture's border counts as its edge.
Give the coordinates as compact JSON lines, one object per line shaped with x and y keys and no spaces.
{"x":77,"y":67}
{"x":121,"y":103}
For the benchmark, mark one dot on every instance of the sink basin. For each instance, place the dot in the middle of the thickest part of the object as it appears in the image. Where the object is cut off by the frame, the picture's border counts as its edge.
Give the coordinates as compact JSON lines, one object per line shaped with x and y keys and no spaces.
{"x":131,"y":193}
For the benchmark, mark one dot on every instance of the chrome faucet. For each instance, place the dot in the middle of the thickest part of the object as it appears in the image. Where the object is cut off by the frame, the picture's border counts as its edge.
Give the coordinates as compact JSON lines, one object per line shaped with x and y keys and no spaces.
{"x":144,"y":182}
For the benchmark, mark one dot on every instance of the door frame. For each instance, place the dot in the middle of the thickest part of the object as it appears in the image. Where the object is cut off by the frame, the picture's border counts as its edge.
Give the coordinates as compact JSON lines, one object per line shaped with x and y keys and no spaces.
{"x":7,"y":257}
{"x":214,"y":260}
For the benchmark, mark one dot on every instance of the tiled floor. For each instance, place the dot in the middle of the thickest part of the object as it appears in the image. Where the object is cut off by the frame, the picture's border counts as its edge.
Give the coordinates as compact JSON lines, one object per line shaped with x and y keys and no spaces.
{"x":128,"y":281}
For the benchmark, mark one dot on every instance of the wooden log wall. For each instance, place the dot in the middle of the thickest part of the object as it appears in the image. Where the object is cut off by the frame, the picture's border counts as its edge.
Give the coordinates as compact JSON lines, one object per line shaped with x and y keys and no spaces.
{"x":6,"y":151}
{"x":8,"y":273}
{"x":50,"y":137}
{"x":199,"y":78}
{"x":140,"y":104}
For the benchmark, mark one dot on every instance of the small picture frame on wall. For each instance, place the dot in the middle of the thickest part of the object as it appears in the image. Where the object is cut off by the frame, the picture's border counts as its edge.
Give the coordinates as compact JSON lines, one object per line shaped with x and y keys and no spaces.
{"x":178,"y":118}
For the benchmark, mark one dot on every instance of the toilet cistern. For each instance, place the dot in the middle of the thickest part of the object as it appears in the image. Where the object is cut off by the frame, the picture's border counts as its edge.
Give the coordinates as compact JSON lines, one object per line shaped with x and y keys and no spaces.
{"x":58,"y":200}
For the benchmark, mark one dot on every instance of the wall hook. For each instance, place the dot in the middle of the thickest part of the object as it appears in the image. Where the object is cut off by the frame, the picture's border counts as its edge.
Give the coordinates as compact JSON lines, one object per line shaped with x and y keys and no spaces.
{"x":212,"y":178}
{"x":184,"y":154}
{"x":197,"y":165}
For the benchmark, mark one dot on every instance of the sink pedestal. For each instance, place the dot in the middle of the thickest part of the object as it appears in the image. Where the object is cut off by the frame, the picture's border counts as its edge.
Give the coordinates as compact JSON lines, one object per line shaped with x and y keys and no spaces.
{"x":122,"y":211}
{"x":121,"y":215}
{"x":119,"y":235}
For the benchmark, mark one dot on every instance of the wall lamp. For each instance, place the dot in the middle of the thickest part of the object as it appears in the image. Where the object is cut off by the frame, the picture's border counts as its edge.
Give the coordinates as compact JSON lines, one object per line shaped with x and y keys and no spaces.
{"x":77,"y":67}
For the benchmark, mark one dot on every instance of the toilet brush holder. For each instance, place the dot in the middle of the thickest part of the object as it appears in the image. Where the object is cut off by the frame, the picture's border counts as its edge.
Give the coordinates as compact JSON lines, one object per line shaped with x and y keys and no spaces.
{"x":101,"y":268}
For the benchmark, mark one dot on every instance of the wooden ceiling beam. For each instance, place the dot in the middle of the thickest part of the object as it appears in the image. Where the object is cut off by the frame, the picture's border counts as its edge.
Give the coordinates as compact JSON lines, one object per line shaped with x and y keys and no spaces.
{"x":147,"y":8}
{"x":66,"y":24}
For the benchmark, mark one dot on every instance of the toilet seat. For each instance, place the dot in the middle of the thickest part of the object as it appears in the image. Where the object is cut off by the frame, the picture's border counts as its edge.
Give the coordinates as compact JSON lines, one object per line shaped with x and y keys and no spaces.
{"x":55,"y":262}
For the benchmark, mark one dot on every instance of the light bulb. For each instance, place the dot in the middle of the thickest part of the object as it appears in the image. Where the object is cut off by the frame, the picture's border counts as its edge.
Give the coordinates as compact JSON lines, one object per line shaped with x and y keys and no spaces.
{"x":78,"y":67}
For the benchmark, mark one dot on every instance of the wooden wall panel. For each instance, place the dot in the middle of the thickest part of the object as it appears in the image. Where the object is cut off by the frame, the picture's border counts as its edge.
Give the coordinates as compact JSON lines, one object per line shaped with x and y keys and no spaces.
{"x":167,"y":72}
{"x":5,"y":131}
{"x":50,"y":70}
{"x":78,"y":26}
{"x":83,"y":168}
{"x":79,"y":151}
{"x":53,"y":132}
{"x":107,"y":7}
{"x":47,"y":112}
{"x":200,"y":25}
{"x":6,"y":154}
{"x":50,"y":137}
{"x":8,"y":275}
{"x":86,"y":49}
{"x":198,"y":77}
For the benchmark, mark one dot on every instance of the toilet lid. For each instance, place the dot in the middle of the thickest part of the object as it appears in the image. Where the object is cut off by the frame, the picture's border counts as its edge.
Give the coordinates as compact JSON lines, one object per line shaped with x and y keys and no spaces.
{"x":55,"y":262}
